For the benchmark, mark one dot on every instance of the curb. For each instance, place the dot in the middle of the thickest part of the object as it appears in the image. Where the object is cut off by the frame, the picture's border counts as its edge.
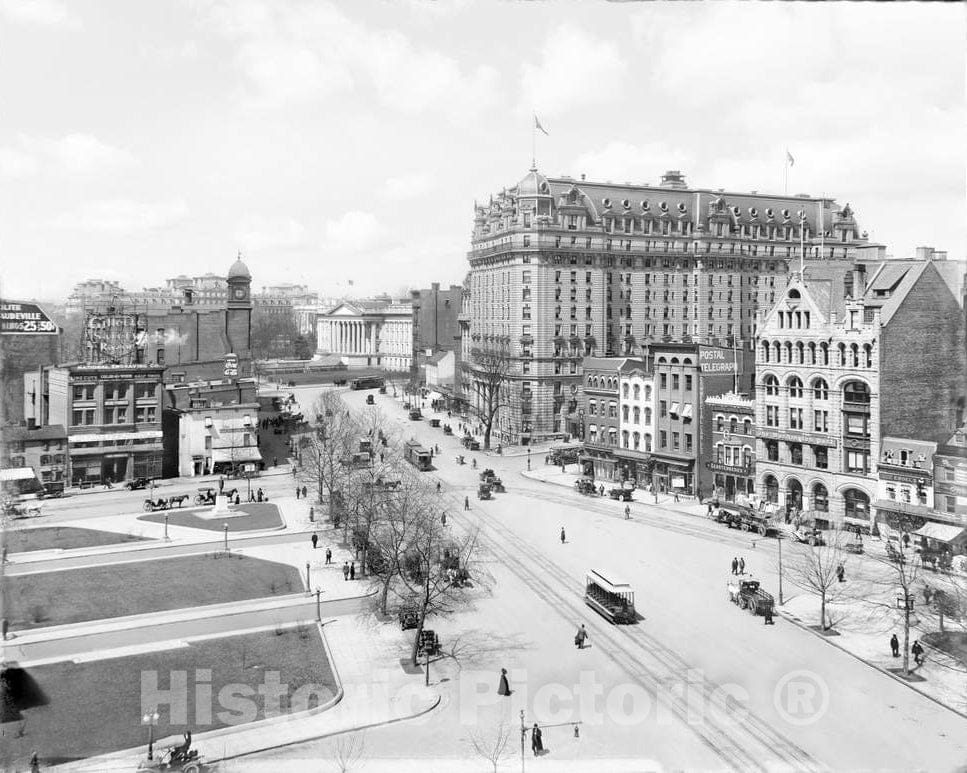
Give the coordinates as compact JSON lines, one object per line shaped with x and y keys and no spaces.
{"x":797,"y":622}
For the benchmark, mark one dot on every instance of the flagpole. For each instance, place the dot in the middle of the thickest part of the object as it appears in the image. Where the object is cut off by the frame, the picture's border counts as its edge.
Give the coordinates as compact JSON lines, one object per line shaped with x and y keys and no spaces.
{"x":802,"y":245}
{"x":534,"y":144}
{"x":785,"y":182}
{"x":822,"y":227}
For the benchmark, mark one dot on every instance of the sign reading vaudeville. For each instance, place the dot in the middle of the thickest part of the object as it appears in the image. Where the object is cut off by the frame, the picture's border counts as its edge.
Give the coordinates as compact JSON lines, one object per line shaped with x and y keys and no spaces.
{"x":712,"y":359}
{"x":25,"y":319}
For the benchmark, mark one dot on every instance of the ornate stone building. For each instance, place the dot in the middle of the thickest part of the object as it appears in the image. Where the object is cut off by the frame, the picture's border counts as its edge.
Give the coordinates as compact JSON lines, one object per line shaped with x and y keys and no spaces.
{"x":841,"y":365}
{"x":563,"y":268}
{"x":374,"y":333}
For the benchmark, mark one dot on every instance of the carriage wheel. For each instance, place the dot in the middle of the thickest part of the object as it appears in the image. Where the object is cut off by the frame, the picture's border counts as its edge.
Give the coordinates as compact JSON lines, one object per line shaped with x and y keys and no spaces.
{"x":752,"y":608}
{"x":191,"y":767}
{"x":147,"y":507}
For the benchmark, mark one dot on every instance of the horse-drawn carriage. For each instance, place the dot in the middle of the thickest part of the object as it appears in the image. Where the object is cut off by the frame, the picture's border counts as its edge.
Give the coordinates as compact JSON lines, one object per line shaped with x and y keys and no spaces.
{"x":447,"y":429}
{"x":164,"y":503}
{"x":489,"y":477}
{"x":586,"y":486}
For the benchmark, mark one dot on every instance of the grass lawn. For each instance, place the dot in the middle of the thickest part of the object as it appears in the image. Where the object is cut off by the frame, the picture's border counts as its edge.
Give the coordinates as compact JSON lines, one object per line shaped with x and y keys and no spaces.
{"x":257,"y":516}
{"x":64,"y":537}
{"x":95,"y":593}
{"x":954,"y":643}
{"x":96,"y":707}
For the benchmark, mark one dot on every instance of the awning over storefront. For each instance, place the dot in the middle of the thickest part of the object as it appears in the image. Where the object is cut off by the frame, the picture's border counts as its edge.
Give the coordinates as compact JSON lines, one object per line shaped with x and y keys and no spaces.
{"x":673,"y":463}
{"x":243,"y":454}
{"x":16,"y":473}
{"x":942,"y":532}
{"x":154,"y":434}
{"x":902,"y":508}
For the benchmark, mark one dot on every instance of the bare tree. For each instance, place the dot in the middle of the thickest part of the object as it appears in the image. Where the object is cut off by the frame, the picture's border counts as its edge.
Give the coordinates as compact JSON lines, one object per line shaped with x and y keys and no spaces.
{"x":900,"y":571}
{"x":816,"y":570}
{"x":329,"y":445}
{"x":491,"y":372}
{"x":347,"y":751}
{"x":492,"y":743}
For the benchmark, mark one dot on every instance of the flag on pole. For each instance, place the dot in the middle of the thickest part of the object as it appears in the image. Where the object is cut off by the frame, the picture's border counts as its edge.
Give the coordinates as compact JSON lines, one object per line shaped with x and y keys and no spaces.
{"x":537,"y":125}
{"x":350,"y":283}
{"x":789,"y":159}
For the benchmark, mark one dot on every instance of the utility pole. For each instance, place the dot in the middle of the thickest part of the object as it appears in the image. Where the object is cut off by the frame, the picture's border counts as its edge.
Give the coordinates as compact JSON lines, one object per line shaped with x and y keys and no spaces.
{"x":523,"y":735}
{"x":780,"y":569}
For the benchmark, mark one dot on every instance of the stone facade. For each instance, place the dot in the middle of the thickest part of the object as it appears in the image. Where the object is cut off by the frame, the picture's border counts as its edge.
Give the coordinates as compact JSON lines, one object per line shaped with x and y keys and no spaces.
{"x":730,"y":454}
{"x":368,"y":334}
{"x":562,"y":269}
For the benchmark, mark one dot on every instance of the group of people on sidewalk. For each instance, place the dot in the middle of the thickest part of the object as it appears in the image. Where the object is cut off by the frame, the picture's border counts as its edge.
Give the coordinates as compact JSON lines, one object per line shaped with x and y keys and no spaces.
{"x":916,"y":649}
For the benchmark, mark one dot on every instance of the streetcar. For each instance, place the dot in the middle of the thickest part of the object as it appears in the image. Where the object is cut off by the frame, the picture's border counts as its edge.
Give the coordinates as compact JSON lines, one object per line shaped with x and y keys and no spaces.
{"x":615,"y":601}
{"x":367,"y":382}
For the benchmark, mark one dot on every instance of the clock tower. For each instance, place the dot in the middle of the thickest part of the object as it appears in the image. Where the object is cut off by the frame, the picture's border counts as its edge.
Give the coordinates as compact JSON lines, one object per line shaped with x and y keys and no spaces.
{"x":238,"y":317}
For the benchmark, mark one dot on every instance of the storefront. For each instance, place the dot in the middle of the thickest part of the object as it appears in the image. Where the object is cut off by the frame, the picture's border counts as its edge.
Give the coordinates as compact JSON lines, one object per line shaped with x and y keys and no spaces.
{"x":731,"y":481}
{"x":675,"y":476}
{"x":103,"y":458}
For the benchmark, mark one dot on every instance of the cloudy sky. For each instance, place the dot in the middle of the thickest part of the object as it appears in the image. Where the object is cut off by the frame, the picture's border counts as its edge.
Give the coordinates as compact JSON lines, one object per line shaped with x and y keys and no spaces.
{"x":347,"y":141}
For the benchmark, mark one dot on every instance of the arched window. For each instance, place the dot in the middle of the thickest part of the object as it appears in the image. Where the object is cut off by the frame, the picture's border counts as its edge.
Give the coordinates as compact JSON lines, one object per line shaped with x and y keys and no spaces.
{"x":771,"y":384}
{"x":820,"y":389}
{"x":842,"y":355}
{"x":636,"y":440}
{"x":800,"y":353}
{"x":820,"y":498}
{"x":765,"y":351}
{"x":794,"y":494}
{"x":637,"y":415}
{"x":776,"y":352}
{"x":856,"y":504}
{"x":624,"y":390}
{"x":856,"y":392}
{"x":867,"y":356}
{"x":854,"y":355}
{"x":647,"y":443}
{"x":795,"y":387}
{"x":772,"y":488}
{"x":812,"y":353}
{"x":733,"y":425}
{"x":624,"y":439}
{"x":720,"y":423}
{"x":824,"y":353}
{"x":788,"y":348}
{"x":624,"y":414}
{"x":647,"y":392}
{"x":747,"y":427}
{"x":647,"y":415}
{"x":746,"y":456}
{"x":637,"y":391}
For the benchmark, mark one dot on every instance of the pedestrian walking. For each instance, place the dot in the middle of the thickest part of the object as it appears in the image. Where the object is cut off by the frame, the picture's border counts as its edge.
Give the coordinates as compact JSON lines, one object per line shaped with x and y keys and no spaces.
{"x":345,"y":571}
{"x":443,"y":519}
{"x":895,"y":646}
{"x":627,"y":512}
{"x":676,"y":496}
{"x":563,"y":536}
{"x":466,"y":503}
{"x":709,"y":512}
{"x":503,"y":688}
{"x":297,"y":492}
{"x":315,"y":540}
{"x":735,"y":566}
{"x":537,"y":741}
{"x":742,"y":565}
{"x":381,"y":457}
{"x":841,"y":573}
{"x":237,"y":499}
{"x":438,"y":487}
{"x":328,"y":556}
{"x":304,"y":492}
{"x":261,"y":496}
{"x":768,"y":616}
{"x":352,"y":571}
{"x":312,"y":513}
{"x":580,"y":637}
{"x":275,"y":461}
{"x":917,"y":650}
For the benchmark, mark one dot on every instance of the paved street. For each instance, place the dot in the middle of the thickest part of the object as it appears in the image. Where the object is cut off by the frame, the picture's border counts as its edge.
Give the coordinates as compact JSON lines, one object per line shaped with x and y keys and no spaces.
{"x":809,"y":705}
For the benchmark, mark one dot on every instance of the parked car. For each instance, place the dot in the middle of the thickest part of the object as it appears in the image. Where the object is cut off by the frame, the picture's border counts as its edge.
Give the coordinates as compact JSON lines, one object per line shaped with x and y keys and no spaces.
{"x":137,"y":483}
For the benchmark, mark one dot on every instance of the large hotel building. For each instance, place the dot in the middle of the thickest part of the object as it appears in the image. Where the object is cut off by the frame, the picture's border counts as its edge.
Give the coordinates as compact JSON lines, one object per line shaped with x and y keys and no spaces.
{"x":561,"y":269}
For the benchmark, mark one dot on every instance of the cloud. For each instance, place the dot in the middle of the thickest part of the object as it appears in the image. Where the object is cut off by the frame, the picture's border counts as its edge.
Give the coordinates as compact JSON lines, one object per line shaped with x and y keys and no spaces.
{"x":625,"y":162}
{"x":355,"y":232}
{"x":121,"y":216}
{"x":73,"y":154}
{"x":258,"y":233}
{"x":410,"y":186}
{"x":305,"y":53}
{"x":575,"y":70}
{"x":42,"y":13}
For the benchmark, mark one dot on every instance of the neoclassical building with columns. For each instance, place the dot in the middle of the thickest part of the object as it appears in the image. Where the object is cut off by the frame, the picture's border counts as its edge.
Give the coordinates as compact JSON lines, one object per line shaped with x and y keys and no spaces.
{"x":375,"y":333}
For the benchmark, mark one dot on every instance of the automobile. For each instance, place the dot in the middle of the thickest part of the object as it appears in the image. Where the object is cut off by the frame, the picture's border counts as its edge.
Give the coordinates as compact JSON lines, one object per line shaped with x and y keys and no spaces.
{"x":808,"y":535}
{"x":339,"y":382}
{"x":370,"y":400}
{"x":408,"y":616}
{"x":620,"y":493}
{"x":483,"y":491}
{"x":137,"y":483}
{"x":415,"y":414}
{"x":746,"y":594}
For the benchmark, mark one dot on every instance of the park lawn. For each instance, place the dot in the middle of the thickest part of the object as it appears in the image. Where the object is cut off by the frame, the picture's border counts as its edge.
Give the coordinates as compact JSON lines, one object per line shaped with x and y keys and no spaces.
{"x":63,"y":537}
{"x":99,"y":592}
{"x":257,"y":516}
{"x":96,"y":707}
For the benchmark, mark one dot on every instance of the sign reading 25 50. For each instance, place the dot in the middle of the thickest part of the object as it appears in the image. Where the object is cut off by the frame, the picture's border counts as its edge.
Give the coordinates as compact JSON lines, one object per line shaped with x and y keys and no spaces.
{"x":25,"y":319}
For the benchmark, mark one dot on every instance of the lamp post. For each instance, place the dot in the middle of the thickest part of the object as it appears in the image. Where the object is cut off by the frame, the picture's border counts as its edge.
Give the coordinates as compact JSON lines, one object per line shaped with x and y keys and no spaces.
{"x":308,"y":585}
{"x":779,"y":535}
{"x":225,"y":526}
{"x":149,"y":719}
{"x":166,"y":527}
{"x":318,"y":609}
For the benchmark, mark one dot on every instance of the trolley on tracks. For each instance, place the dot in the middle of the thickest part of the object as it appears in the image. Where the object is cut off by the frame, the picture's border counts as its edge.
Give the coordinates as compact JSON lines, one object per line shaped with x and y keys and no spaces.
{"x":614,"y":601}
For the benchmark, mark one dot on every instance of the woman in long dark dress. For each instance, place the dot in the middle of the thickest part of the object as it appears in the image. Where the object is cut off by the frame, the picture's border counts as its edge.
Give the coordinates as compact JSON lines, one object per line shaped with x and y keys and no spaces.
{"x":504,"y":686}
{"x":537,"y":740}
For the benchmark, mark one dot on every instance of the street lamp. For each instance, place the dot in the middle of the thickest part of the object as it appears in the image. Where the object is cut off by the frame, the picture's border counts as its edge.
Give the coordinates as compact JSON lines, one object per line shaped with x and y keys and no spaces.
{"x":226,"y":536}
{"x":779,"y":536}
{"x":166,"y":527}
{"x":318,"y":611}
{"x":308,"y":585}
{"x":150,"y":719}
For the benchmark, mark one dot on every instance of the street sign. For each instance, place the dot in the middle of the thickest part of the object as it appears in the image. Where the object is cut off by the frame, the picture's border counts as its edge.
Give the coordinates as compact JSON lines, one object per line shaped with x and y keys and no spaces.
{"x":18,"y":318}
{"x":231,"y":364}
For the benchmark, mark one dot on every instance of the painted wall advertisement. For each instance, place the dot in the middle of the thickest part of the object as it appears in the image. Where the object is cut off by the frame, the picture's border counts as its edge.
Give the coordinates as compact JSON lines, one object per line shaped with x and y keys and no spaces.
{"x":713,"y":359}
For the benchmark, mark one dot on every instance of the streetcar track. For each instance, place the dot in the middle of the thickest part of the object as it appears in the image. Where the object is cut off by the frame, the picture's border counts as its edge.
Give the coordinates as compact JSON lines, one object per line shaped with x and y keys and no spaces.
{"x":722,"y":735}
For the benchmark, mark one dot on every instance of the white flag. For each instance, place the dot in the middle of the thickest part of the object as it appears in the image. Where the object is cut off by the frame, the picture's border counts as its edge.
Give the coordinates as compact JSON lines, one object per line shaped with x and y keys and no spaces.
{"x":789,"y":159}
{"x":537,"y":125}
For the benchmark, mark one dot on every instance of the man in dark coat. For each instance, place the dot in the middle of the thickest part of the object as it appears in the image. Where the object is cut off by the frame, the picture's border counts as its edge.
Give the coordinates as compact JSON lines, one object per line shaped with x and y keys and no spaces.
{"x":563,"y":536}
{"x":352,"y":571}
{"x":328,"y":555}
{"x":735,"y":566}
{"x":917,"y":650}
{"x":466,"y":503}
{"x":297,"y":492}
{"x":504,"y":687}
{"x":580,"y":637}
{"x":345,"y":571}
{"x":895,"y":646}
{"x":537,"y":740}
{"x":315,"y":540}
{"x":304,"y":492}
